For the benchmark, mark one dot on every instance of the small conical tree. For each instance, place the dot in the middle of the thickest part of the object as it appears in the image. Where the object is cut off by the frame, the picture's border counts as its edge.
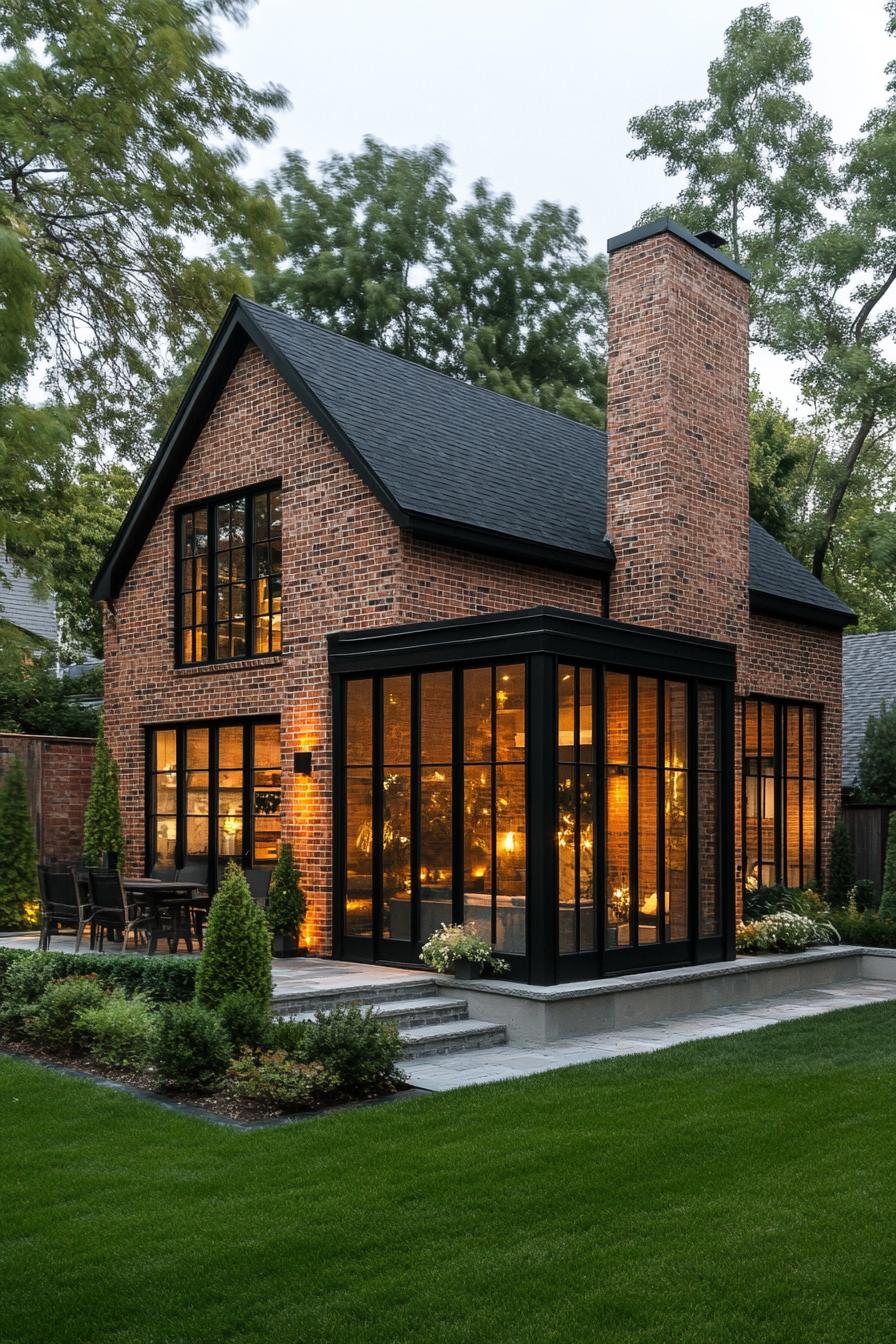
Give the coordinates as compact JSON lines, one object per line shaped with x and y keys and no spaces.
{"x":103,"y":832}
{"x":236,"y":956}
{"x":18,"y":850}
{"x":888,"y":895}
{"x":286,"y":905}
{"x":842,"y":869}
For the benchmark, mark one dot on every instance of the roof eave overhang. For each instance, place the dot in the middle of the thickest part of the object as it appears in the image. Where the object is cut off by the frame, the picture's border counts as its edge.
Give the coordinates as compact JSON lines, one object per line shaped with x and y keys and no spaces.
{"x":447,"y":532}
{"x":788,"y":609}
{"x":518,"y":634}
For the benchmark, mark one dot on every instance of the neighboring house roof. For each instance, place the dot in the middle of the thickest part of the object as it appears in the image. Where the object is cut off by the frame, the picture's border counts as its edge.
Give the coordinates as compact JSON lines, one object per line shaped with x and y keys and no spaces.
{"x":451,"y":462}
{"x":869,"y":679}
{"x":21,"y":605}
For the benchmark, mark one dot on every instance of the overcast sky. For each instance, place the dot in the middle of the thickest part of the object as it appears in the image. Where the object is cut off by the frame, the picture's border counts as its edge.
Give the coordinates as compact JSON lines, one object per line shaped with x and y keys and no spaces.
{"x":534,"y":95}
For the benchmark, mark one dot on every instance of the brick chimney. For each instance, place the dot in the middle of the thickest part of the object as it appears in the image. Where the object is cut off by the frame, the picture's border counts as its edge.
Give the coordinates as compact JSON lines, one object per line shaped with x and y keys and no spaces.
{"x":678,"y":506}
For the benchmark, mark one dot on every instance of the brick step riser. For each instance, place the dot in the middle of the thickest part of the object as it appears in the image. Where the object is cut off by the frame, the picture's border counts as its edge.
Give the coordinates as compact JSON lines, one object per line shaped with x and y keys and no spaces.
{"x":284,"y":1005}
{"x":419,"y":1017}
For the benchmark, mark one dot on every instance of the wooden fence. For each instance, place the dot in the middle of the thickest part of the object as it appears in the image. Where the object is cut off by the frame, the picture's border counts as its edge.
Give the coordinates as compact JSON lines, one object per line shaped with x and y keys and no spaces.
{"x":867,"y":825}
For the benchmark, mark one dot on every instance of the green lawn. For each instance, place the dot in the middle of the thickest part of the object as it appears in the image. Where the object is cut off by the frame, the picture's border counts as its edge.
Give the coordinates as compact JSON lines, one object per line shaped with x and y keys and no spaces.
{"x":733,"y":1190}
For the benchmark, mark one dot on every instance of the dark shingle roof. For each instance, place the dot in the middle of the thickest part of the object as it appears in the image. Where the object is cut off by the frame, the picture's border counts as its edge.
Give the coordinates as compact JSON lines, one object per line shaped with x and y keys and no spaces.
{"x":450,"y":461}
{"x":22,"y":607}
{"x":447,"y":450}
{"x":869,"y":679}
{"x":776,"y":575}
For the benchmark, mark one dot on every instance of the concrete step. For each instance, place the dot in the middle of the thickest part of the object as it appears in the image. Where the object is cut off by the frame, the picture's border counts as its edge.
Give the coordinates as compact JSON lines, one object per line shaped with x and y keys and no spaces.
{"x":450,"y":1037}
{"x":402,"y":1013}
{"x":288,"y":1003}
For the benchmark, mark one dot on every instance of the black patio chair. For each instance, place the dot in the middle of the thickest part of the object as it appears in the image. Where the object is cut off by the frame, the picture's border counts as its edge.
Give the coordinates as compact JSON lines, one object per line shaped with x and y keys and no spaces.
{"x":200,"y":901}
{"x":61,"y":907}
{"x":115,"y":913}
{"x":163,"y":874}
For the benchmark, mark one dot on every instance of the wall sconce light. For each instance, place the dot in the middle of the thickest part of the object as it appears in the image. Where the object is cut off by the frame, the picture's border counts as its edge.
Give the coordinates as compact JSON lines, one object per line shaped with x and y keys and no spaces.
{"x":301,"y":762}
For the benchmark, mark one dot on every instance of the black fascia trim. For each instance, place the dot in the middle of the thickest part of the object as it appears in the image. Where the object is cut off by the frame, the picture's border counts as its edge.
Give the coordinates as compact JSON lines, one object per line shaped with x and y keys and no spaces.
{"x":516,"y":634}
{"x":790,"y":609}
{"x":237,"y":329}
{"x":667,"y":225}
{"x":447,"y":532}
{"x":217,"y":364}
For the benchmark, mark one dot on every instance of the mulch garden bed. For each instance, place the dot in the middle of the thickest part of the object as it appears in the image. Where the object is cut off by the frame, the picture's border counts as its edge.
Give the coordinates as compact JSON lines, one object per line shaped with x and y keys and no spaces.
{"x":220,"y":1107}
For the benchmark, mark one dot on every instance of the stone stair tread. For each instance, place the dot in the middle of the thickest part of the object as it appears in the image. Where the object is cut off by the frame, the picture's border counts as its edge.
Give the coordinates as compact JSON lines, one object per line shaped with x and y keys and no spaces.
{"x":442,"y":1031}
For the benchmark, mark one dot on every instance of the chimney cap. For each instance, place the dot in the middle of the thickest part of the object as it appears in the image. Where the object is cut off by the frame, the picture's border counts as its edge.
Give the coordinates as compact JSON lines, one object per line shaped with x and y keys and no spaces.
{"x":659,"y":226}
{"x":711,"y":238}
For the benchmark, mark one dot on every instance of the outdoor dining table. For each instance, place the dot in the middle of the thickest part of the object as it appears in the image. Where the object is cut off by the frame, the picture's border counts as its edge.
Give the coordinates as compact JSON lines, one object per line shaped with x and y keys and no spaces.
{"x":157,"y":894}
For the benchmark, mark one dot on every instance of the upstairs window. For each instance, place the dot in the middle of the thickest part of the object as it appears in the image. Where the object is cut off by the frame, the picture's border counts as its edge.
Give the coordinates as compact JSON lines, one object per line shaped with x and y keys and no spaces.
{"x":229,"y":575}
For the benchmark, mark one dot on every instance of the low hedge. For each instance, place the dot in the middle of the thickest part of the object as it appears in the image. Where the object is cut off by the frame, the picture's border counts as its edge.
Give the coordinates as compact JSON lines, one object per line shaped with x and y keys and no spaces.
{"x":867,"y":929}
{"x":162,"y":979}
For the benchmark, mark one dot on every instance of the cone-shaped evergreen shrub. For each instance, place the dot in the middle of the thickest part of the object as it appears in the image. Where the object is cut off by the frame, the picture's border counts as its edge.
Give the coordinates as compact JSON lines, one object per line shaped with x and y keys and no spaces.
{"x":286,"y":899}
{"x":18,"y":850}
{"x":102,"y":821}
{"x":842,"y":871}
{"x":888,"y":894}
{"x":236,"y":957}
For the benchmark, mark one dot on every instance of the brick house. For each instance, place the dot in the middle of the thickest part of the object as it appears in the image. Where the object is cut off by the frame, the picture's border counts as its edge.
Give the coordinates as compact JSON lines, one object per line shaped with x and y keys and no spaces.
{"x":477,"y":661}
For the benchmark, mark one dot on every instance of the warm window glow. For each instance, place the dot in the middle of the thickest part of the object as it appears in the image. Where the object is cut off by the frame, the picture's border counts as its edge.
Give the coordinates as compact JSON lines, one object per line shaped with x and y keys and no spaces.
{"x":229,"y":579}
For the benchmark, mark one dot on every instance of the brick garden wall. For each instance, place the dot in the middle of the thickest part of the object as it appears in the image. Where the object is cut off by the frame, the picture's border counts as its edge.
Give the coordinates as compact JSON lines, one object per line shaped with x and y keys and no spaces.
{"x":57,"y":771}
{"x":346,"y":566}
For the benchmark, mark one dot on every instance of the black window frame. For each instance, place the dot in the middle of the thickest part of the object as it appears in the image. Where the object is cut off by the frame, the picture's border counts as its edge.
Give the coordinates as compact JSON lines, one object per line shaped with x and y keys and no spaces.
{"x":779,"y":708}
{"x":181,"y":728}
{"x":212,"y":503}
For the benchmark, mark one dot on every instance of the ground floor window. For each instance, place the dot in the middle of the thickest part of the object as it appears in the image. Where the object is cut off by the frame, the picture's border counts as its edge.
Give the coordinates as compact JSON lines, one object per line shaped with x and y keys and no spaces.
{"x":435,"y":803}
{"x":213,"y":795}
{"x":781,"y":792}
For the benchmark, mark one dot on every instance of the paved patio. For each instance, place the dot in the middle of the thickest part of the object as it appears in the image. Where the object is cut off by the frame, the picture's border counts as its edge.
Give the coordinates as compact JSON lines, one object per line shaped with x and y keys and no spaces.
{"x":299,"y":974}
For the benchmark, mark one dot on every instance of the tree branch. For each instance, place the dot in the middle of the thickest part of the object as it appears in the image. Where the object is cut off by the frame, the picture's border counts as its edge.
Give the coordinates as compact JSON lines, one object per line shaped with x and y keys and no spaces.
{"x":833,"y":508}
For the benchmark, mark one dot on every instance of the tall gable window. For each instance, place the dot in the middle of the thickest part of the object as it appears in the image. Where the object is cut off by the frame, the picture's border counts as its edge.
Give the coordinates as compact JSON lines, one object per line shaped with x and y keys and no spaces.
{"x":229,"y":575}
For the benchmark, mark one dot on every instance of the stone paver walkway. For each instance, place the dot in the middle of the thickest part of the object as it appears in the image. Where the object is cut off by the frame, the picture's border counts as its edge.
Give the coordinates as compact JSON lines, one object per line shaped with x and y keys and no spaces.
{"x":521,"y":1058}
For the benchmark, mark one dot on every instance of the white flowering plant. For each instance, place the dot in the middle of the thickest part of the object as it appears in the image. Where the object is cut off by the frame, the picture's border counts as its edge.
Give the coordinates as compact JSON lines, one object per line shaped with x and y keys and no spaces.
{"x":784,"y":931}
{"x":460,"y":942}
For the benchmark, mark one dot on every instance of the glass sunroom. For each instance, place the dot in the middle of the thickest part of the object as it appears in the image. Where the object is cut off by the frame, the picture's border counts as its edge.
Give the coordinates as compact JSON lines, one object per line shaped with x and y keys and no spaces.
{"x":563,"y":782}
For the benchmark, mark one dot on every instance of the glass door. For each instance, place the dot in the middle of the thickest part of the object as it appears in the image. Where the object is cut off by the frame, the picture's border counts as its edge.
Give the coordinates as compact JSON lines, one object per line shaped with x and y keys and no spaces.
{"x":433,"y":809}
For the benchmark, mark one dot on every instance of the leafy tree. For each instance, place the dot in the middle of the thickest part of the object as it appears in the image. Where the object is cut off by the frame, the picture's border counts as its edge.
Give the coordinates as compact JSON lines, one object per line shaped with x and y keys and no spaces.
{"x":103,"y":833}
{"x":816,"y":225}
{"x":378,"y":248}
{"x":877,"y":758}
{"x":286,"y":904}
{"x":781,"y":453}
{"x":75,"y":542}
{"x":120,"y":138}
{"x":34,"y":699}
{"x":888,"y":892}
{"x":18,"y":868}
{"x":842,"y":870}
{"x":236,"y":956}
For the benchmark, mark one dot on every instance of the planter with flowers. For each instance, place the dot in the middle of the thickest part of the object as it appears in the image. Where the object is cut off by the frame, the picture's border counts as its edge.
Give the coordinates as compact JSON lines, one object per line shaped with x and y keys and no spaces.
{"x":459,"y":948}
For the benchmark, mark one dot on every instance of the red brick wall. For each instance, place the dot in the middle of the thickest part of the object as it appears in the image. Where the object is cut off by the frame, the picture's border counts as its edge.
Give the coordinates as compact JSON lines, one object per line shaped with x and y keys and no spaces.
{"x":345,"y":566}
{"x":57,"y":770}
{"x":678,"y":504}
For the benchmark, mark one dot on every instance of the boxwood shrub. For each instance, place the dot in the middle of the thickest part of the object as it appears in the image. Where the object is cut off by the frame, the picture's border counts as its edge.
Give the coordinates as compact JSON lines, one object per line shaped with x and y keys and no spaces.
{"x":163,"y":979}
{"x":190,"y":1048}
